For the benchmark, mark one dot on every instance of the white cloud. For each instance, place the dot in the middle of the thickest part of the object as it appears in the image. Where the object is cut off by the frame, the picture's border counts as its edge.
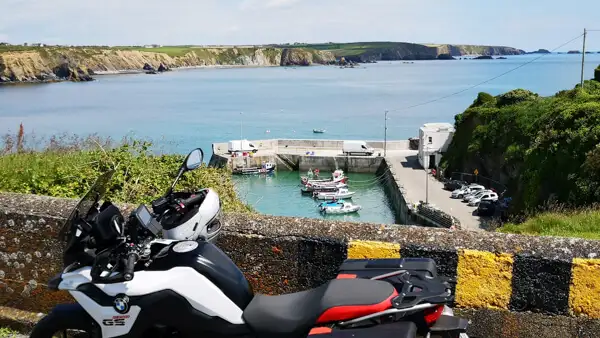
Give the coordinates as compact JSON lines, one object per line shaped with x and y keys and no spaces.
{"x":280,"y":3}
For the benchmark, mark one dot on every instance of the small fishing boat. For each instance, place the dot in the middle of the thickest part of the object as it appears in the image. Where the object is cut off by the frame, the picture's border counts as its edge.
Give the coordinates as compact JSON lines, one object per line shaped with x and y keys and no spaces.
{"x":337,"y":176}
{"x":318,"y":131}
{"x":266,"y":168}
{"x":338,"y":208}
{"x":310,"y":188}
{"x":341,"y":193}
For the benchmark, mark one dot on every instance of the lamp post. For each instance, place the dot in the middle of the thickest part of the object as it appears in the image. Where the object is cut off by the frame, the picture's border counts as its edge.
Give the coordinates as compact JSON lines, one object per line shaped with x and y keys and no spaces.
{"x":385,"y":136}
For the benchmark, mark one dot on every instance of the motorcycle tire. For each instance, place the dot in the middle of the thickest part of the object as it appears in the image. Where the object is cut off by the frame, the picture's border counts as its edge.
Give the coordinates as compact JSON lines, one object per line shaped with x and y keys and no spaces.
{"x":71,"y":319}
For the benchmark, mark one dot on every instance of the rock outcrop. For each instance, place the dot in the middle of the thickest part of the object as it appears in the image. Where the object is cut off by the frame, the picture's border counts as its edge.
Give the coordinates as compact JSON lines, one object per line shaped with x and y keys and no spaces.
{"x":47,"y":64}
{"x":540,"y":51}
{"x":305,"y":57}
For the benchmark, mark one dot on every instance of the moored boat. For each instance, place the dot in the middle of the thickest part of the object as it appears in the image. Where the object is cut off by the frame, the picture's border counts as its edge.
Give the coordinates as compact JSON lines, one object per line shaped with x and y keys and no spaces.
{"x":340,"y":194}
{"x":337,"y":176}
{"x":318,"y":131}
{"x":310,"y":188}
{"x":339,"y":207}
{"x":266,"y":168}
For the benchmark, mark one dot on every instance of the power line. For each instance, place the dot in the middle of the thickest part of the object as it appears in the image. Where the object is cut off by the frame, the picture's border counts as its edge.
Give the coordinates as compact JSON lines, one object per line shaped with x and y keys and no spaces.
{"x":490,"y":79}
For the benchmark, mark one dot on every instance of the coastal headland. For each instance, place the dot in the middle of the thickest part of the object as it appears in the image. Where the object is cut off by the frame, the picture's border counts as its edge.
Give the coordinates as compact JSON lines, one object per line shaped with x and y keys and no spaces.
{"x":79,"y":63}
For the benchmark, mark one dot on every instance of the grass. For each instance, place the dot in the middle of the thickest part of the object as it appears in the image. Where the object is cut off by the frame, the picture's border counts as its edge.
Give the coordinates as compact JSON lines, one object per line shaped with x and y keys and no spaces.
{"x":6,"y":332}
{"x":580,"y":224}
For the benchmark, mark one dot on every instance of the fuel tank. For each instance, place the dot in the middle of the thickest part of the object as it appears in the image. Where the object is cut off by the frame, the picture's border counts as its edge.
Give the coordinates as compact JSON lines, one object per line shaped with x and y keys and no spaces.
{"x":208,"y":260}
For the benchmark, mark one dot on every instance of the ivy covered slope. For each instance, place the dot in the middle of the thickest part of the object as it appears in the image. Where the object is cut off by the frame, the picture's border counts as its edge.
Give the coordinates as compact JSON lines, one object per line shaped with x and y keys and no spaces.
{"x":545,"y":149}
{"x":140,"y":177}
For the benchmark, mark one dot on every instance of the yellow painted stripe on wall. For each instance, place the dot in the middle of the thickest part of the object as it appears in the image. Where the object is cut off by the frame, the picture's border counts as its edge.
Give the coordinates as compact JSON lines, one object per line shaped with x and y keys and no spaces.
{"x":584,"y":292}
{"x":371,"y":249}
{"x":484,"y":279}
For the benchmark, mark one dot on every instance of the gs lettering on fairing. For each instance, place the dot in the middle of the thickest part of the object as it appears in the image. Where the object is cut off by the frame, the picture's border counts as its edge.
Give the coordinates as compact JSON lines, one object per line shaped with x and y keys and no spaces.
{"x":128,"y":282}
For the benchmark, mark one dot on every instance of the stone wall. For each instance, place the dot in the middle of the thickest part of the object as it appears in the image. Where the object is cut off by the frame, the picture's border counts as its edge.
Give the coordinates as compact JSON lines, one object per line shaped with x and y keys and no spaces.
{"x":501,"y":279}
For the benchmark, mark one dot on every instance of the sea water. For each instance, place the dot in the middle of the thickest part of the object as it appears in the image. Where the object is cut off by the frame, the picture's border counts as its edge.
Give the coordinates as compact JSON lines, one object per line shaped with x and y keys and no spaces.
{"x":184,"y":109}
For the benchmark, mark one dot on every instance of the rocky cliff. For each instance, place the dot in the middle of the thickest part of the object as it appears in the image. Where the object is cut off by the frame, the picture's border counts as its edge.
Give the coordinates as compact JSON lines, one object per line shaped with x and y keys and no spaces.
{"x":78,"y":64}
{"x":305,"y":57}
{"x":374,"y":51}
{"x":458,"y":50}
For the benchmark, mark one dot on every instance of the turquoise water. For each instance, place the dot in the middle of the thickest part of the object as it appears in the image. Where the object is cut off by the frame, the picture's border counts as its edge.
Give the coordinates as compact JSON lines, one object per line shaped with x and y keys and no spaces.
{"x":279,"y":194}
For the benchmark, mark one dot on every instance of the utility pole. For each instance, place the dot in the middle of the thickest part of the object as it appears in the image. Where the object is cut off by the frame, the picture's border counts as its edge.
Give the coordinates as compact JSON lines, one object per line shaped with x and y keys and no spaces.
{"x":426,"y":153}
{"x":241,"y":125}
{"x":385,"y":136}
{"x":583,"y":57}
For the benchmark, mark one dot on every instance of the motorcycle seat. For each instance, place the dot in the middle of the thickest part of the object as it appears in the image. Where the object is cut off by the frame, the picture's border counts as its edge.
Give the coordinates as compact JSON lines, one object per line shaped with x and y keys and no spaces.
{"x":293,"y":315}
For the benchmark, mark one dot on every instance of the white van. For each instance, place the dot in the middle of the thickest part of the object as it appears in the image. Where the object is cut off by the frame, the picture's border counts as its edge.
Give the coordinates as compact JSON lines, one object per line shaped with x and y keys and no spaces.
{"x":241,"y":146}
{"x":357,"y":147}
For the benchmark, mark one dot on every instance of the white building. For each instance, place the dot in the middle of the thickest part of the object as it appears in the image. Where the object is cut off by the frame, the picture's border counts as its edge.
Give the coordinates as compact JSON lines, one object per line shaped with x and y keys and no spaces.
{"x":434,"y":139}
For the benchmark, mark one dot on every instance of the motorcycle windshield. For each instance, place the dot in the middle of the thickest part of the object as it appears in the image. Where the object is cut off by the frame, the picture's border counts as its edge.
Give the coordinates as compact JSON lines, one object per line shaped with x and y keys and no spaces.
{"x":95,"y":194}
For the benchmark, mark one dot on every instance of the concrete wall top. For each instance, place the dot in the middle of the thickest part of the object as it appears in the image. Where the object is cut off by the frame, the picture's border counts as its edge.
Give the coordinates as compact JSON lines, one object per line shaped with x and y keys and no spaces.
{"x":543,"y":246}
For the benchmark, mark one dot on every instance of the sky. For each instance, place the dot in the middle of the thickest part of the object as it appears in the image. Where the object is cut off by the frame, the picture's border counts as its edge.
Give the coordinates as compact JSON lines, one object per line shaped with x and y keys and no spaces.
{"x":524,"y":24}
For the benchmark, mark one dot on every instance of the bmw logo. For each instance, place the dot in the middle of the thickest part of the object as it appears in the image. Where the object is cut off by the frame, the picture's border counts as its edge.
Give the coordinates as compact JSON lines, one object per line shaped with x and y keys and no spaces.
{"x":121,"y":304}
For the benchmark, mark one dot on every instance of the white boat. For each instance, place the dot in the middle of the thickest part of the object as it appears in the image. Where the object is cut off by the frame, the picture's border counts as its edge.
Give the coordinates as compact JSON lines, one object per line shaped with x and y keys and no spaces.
{"x":339,"y":207}
{"x":338,"y":176}
{"x":310,"y":188}
{"x":341,"y":193}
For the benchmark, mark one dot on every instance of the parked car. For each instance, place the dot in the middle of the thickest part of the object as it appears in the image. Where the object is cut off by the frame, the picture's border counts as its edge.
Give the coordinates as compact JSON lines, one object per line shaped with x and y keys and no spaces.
{"x":470,"y":196}
{"x":454,"y":184}
{"x":466,"y":190}
{"x":488,"y":196}
{"x":461,"y":193}
{"x":487,"y":208}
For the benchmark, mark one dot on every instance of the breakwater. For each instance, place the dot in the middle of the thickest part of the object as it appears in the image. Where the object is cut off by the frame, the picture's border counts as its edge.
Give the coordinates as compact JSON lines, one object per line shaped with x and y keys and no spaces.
{"x":500,"y":279}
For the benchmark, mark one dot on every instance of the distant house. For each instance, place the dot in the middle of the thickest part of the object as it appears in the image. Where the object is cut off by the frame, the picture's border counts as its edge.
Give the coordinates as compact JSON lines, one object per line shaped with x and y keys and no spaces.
{"x":37,"y":44}
{"x":434,"y":139}
{"x":152,"y":46}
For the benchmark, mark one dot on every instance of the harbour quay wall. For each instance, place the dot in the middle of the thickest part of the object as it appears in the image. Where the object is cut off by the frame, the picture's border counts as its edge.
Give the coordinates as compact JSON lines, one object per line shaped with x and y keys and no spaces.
{"x":394,"y":192}
{"x":280,"y":145}
{"x":508,"y":285}
{"x":407,"y":212}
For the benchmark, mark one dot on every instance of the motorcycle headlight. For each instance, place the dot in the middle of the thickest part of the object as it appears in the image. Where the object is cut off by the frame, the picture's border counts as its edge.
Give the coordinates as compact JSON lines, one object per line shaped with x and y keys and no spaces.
{"x":215,"y":224}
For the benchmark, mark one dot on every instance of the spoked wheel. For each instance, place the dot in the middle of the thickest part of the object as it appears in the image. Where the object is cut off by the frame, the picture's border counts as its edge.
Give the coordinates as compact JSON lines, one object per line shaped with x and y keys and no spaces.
{"x":66,"y":321}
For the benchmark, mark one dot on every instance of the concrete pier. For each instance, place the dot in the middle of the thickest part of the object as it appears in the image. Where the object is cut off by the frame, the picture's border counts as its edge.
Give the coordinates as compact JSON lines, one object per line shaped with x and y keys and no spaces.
{"x":302,"y":155}
{"x":412,"y":179}
{"x":400,"y":173}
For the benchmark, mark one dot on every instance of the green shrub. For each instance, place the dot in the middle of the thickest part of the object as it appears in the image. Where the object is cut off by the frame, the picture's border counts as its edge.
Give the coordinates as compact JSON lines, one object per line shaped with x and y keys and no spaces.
{"x":68,"y":170}
{"x":541,"y":148}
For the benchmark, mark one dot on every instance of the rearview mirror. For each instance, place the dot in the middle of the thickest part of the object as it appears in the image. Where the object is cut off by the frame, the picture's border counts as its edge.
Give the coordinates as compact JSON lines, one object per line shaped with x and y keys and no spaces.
{"x":194,"y":159}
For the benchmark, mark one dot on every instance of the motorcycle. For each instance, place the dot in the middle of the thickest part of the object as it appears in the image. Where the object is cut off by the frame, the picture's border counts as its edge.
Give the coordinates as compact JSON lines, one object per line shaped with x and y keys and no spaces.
{"x":128,"y":282}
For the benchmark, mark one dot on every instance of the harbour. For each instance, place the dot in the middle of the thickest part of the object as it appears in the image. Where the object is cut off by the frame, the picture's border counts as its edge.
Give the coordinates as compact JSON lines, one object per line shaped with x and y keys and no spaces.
{"x":391,"y":169}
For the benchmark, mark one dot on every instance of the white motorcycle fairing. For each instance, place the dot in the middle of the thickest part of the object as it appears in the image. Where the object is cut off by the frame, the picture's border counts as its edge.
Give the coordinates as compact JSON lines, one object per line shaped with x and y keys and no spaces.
{"x":190,"y":286}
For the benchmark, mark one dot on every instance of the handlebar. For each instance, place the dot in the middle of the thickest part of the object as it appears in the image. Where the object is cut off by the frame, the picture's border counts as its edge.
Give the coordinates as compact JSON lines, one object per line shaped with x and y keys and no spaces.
{"x":128,"y":271}
{"x":192,"y":200}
